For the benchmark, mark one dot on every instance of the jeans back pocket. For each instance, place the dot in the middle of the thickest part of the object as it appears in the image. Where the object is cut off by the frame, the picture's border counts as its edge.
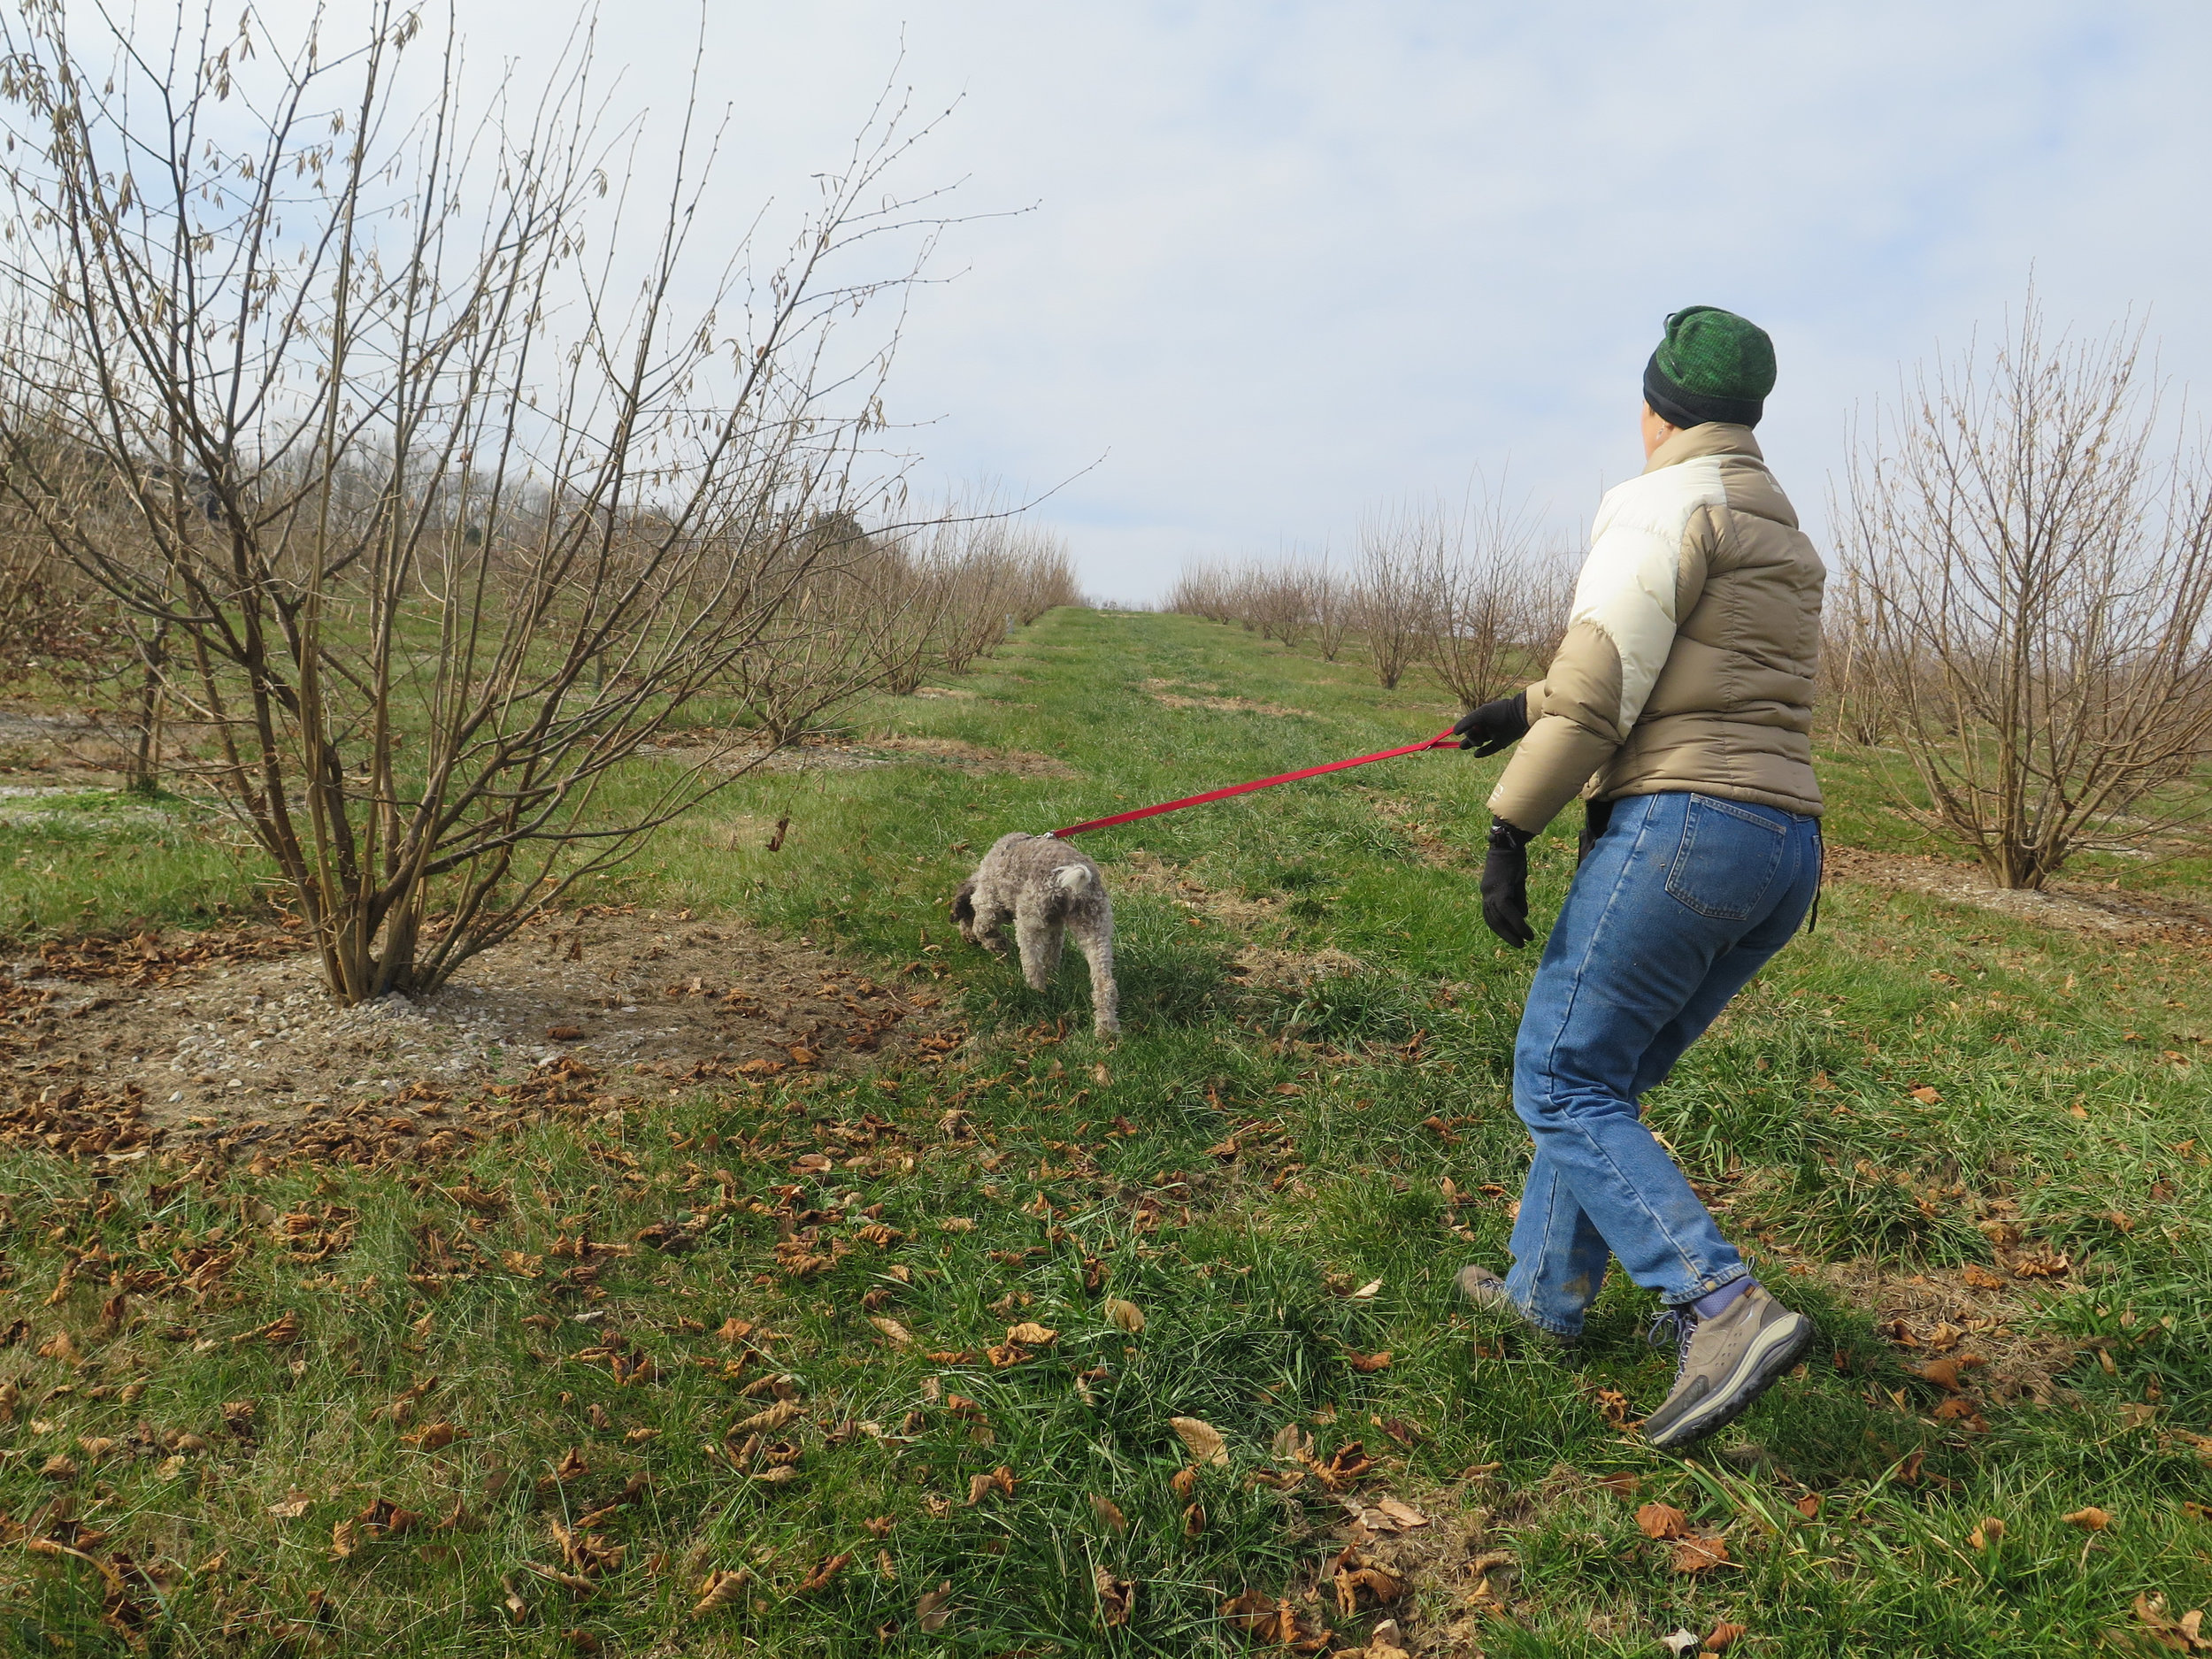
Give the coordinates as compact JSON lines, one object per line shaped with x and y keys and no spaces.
{"x":1727,"y":860}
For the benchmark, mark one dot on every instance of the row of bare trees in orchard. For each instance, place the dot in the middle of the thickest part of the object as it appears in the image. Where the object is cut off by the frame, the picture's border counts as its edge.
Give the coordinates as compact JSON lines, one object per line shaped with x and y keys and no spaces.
{"x":1466,"y":591}
{"x":2019,"y":622}
{"x":413,"y":447}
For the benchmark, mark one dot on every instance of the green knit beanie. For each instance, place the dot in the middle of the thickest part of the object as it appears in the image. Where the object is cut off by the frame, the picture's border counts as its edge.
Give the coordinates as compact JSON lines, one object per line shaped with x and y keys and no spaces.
{"x":1712,"y":365}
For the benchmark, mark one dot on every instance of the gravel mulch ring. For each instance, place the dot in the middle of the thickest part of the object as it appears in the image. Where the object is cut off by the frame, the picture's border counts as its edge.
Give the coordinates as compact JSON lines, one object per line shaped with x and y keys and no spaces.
{"x":113,"y":1046}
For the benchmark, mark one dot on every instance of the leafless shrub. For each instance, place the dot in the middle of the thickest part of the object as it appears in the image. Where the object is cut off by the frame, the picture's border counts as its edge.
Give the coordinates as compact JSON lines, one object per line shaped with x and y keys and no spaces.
{"x":1334,"y":612}
{"x":1279,"y":599}
{"x":989,"y":574}
{"x":436,"y":464}
{"x":1853,"y":698}
{"x":1399,"y":587}
{"x":2037,"y":568}
{"x":1486,"y":605}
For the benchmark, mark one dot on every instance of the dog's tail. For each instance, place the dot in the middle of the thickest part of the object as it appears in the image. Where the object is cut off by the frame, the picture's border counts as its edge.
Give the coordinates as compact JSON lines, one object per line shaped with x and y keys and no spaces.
{"x":1072,"y":880}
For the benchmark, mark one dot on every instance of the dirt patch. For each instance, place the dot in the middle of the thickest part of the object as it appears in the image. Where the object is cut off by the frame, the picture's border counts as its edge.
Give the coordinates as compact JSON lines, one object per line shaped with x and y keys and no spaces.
{"x":1432,"y":846}
{"x":832,"y":751}
{"x":1985,"y":1330}
{"x":214,"y":1040}
{"x":2078,"y":907}
{"x":1230,"y":705}
{"x":1139,"y":872}
{"x":68,"y":747}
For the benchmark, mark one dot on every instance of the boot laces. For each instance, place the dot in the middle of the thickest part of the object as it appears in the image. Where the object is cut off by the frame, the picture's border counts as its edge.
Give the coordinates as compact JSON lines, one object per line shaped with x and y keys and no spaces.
{"x":1677,"y":1325}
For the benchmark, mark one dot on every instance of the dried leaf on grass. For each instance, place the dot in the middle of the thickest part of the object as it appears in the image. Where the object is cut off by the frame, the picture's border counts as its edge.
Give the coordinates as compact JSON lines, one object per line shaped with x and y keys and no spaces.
{"x":1359,"y":1581}
{"x":830,"y":1567}
{"x":1698,"y":1555}
{"x":933,"y":1612}
{"x":292,"y":1508}
{"x":1723,"y":1633}
{"x":1122,"y":1315}
{"x":1000,"y":1480}
{"x":2090,"y":1518}
{"x":2184,"y":1634}
{"x":1117,"y":1598}
{"x":1661,"y":1520}
{"x":1986,"y":1531}
{"x":722,"y":1589}
{"x":774,"y":1418}
{"x":1110,"y":1515}
{"x":1272,"y":1622}
{"x":896,"y":1333}
{"x":1201,"y":1439}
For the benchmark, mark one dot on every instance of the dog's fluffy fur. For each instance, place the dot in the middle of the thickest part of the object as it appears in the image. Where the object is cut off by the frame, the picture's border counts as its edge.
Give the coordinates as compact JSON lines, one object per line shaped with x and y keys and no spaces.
{"x":1048,"y":890}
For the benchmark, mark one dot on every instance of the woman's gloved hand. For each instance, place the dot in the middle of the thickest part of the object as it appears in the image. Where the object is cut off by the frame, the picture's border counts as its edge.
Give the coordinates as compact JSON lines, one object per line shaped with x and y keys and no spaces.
{"x":1505,"y":883}
{"x":1493,"y":726}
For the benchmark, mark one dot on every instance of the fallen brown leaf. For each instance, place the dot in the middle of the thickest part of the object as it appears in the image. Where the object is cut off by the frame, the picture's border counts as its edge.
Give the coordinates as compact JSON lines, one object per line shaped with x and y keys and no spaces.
{"x":1986,"y":1531}
{"x":769,"y":1420}
{"x":1698,"y":1555}
{"x":1000,"y":1480}
{"x":722,"y":1589}
{"x":1201,"y":1439}
{"x":2089,"y":1519}
{"x":1723,"y":1633}
{"x":1661,"y":1520}
{"x":2184,"y":1634}
{"x":933,"y":1612}
{"x":1117,"y":1598}
{"x":1367,"y":1362}
{"x":292,"y":1508}
{"x":820,"y":1576}
{"x":1032,"y":1335}
{"x":1122,"y":1315}
{"x":1108,"y":1513}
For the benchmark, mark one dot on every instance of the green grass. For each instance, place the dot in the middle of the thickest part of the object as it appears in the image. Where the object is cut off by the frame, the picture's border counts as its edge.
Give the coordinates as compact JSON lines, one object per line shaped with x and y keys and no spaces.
{"x":1083,"y":1183}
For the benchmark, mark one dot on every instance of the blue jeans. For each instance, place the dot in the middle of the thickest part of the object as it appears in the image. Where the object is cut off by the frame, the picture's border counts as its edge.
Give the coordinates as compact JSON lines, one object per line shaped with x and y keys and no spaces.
{"x":1683,"y":899}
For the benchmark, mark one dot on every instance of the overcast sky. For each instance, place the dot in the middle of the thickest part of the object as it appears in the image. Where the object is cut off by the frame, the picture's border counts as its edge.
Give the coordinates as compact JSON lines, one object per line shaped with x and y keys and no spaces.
{"x":1289,"y":261}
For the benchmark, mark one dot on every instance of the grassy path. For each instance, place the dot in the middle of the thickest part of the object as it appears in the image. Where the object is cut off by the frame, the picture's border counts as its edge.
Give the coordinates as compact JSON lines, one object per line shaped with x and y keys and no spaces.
{"x":810,"y":1351}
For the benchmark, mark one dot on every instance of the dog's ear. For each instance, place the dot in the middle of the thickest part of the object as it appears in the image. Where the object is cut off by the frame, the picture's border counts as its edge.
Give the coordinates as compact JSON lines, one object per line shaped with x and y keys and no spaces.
{"x":963,"y":902}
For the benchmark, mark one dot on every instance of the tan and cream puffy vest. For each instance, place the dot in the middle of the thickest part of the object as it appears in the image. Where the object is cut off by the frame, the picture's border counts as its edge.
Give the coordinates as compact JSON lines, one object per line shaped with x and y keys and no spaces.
{"x":1688,"y":659}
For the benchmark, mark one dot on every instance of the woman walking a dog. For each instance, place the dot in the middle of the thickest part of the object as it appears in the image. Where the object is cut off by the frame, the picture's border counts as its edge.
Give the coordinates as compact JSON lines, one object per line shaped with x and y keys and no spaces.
{"x":1679,"y":708}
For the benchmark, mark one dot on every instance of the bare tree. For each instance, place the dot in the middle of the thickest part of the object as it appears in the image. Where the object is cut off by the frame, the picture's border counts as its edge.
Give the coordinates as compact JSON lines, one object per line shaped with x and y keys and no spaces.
{"x":1853,"y":698}
{"x":393,"y":422}
{"x":1403,"y":554}
{"x":2036,"y":567}
{"x":1333,"y":612}
{"x":1484,"y":600}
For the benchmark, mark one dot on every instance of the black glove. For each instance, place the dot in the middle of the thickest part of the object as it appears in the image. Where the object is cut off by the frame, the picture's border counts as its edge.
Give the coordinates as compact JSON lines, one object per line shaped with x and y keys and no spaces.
{"x":1505,"y":883}
{"x":1493,"y":726}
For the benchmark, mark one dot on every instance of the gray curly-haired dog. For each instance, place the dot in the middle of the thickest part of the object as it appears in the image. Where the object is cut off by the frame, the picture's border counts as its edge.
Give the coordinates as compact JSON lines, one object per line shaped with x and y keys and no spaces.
{"x":1048,"y":890}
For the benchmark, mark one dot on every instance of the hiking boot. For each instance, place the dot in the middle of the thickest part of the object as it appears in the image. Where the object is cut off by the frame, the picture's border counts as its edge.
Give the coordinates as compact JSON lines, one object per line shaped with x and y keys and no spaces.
{"x":1486,"y":1291}
{"x":1724,"y":1364}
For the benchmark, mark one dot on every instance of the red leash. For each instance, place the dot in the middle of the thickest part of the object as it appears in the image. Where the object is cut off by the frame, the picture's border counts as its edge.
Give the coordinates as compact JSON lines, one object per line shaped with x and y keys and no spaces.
{"x":1440,"y":741}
